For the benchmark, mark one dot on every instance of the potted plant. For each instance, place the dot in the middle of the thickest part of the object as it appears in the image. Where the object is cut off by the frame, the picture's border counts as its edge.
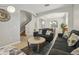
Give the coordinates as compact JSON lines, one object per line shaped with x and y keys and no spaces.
{"x":63,"y":27}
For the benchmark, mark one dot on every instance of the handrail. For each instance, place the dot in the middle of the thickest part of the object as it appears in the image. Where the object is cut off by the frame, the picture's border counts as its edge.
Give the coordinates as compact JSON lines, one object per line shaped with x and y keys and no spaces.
{"x":53,"y":41}
{"x":22,"y":26}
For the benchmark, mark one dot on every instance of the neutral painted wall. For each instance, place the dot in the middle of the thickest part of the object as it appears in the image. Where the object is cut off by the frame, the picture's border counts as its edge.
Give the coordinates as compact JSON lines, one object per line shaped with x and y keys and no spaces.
{"x":76,"y":17}
{"x":10,"y":30}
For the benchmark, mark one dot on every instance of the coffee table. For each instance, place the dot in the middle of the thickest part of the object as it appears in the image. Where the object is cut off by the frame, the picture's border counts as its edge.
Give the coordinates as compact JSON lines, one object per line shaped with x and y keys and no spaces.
{"x":37,"y":41}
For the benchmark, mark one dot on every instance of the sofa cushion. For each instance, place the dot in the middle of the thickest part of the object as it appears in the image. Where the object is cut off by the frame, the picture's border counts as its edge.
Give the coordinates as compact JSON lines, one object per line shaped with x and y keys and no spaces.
{"x":77,"y":44}
{"x":72,"y":40}
{"x":48,"y":32}
{"x":55,"y":51}
{"x":44,"y":31}
{"x":74,"y":31}
{"x":40,"y":32}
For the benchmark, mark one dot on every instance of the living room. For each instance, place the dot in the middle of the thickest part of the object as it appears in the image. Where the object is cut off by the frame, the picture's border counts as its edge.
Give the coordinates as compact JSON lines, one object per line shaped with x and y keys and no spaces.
{"x":35,"y":25}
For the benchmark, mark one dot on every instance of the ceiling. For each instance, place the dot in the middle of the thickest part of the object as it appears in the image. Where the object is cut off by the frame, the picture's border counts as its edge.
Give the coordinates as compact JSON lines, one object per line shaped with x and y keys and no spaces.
{"x":53,"y":15}
{"x":35,"y":8}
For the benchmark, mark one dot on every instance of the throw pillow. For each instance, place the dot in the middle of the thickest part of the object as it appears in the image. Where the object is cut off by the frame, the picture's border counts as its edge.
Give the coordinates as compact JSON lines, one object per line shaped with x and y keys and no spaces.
{"x":40,"y":32}
{"x":48,"y":32}
{"x":72,"y":40}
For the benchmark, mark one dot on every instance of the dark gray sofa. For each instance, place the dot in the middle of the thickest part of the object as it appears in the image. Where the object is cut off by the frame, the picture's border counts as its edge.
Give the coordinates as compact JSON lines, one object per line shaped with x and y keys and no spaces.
{"x":61,"y":47}
{"x":47,"y":37}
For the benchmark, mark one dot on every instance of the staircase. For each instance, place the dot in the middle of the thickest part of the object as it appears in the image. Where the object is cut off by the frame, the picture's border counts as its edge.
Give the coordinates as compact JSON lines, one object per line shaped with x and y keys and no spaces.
{"x":28,"y":18}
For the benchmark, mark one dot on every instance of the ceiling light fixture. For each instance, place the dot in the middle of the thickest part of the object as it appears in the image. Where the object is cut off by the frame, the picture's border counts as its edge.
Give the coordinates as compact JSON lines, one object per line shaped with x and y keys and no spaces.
{"x":11,"y":9}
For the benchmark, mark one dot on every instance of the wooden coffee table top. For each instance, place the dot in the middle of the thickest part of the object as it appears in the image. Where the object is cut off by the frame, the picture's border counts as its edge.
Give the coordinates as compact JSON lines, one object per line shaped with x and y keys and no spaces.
{"x":33,"y":40}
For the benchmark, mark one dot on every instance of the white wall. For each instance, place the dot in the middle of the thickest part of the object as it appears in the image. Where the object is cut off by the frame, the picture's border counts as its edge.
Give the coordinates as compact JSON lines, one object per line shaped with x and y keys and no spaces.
{"x":10,"y":30}
{"x":76,"y":17}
